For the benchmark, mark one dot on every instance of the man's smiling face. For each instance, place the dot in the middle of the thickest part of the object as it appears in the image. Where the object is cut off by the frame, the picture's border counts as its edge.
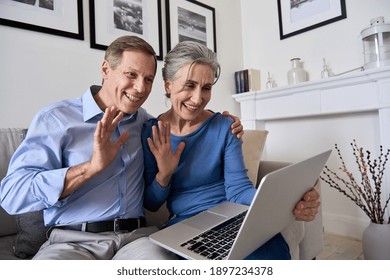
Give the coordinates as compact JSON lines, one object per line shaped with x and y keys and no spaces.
{"x":130,"y":83}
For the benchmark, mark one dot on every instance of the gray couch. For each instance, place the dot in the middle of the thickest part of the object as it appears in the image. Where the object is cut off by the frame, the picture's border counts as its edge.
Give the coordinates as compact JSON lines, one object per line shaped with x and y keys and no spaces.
{"x":19,"y":234}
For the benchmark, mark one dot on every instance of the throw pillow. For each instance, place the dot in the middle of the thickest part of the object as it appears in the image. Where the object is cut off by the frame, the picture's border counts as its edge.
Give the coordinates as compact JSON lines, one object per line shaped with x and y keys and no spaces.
{"x":253,"y":142}
{"x":31,"y":234}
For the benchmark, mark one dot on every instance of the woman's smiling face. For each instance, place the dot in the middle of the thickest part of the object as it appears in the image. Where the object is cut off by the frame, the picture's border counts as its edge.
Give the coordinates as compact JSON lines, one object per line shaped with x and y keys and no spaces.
{"x":190,"y":92}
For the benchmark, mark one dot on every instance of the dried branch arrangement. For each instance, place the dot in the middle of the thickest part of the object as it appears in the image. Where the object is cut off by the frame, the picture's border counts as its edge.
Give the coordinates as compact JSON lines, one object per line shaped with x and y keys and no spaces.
{"x":367,"y":194}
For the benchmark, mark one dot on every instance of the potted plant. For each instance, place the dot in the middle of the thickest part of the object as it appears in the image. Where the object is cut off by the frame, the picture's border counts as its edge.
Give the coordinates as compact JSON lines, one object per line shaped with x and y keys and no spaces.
{"x":366,"y":192}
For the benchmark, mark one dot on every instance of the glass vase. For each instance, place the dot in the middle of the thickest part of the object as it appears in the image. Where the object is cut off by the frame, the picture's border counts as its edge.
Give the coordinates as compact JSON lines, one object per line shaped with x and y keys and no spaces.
{"x":296,"y":74}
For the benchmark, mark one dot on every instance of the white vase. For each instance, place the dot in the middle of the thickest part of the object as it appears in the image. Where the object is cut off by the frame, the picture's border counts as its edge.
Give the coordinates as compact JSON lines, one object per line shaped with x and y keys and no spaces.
{"x":376,"y":242}
{"x":296,"y":74}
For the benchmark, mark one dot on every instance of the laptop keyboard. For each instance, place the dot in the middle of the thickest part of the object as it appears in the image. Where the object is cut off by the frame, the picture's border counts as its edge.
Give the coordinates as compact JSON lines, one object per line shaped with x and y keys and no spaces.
{"x":215,"y":243}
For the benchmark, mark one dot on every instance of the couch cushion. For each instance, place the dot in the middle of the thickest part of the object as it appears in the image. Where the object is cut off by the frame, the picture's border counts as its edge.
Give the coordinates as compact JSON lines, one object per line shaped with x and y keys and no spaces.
{"x":7,"y":224}
{"x":31,"y":234}
{"x":158,"y":218}
{"x":6,"y":248}
{"x":253,"y":142}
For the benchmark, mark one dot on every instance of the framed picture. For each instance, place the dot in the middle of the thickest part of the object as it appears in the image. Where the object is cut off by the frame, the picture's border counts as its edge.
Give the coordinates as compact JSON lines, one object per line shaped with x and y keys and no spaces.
{"x":110,"y":19}
{"x":63,"y":18}
{"x":298,"y":16}
{"x":190,"y":20}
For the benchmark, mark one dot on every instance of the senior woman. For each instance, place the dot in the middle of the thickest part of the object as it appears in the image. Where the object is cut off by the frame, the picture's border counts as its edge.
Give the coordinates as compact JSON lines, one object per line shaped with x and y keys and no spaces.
{"x":192,"y":159}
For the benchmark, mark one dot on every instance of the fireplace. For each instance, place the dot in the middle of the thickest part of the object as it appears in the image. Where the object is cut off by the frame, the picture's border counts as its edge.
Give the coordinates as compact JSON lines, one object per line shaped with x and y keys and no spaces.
{"x":312,"y":116}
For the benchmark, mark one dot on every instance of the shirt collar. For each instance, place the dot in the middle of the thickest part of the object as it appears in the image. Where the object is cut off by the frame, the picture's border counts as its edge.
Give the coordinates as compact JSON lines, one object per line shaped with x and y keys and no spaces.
{"x":91,"y":109}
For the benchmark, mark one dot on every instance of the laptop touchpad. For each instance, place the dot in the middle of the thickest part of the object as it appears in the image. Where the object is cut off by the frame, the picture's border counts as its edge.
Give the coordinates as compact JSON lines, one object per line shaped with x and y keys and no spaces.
{"x":204,"y":220}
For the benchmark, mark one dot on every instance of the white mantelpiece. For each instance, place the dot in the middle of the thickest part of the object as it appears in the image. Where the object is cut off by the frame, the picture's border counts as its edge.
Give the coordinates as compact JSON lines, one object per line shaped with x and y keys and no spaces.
{"x":312,"y":116}
{"x":358,"y":92}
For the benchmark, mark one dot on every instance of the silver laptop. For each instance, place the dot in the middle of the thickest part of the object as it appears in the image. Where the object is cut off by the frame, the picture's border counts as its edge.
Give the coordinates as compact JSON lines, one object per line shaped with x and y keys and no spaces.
{"x":269,"y":213}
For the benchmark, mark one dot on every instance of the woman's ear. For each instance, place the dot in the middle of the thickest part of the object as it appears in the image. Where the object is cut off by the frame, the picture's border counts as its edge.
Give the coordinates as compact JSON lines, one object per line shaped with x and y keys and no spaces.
{"x":167,"y":86}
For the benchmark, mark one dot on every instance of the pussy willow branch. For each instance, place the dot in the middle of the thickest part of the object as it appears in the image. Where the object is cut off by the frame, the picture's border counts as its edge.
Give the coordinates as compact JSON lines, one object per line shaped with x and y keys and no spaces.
{"x":367,"y":194}
{"x":364,"y":195}
{"x":354,"y":196}
{"x":362,"y":165}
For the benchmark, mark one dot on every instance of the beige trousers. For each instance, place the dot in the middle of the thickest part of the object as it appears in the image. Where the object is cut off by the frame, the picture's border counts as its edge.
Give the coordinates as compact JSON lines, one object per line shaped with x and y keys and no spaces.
{"x":78,"y":245}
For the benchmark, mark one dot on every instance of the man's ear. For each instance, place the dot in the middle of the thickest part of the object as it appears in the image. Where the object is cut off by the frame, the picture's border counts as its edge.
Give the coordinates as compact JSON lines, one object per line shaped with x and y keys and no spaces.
{"x":105,"y":69}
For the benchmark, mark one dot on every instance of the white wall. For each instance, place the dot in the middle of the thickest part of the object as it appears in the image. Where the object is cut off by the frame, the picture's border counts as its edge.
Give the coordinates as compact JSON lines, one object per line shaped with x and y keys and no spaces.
{"x":295,"y":139}
{"x":38,"y":68}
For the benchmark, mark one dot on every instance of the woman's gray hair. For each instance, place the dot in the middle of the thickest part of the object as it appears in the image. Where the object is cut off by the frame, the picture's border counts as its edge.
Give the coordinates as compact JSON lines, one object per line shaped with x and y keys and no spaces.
{"x":189,"y":52}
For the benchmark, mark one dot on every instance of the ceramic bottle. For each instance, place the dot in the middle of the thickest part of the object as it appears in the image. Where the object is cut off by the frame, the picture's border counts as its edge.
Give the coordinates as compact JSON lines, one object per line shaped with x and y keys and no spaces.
{"x":296,"y":74}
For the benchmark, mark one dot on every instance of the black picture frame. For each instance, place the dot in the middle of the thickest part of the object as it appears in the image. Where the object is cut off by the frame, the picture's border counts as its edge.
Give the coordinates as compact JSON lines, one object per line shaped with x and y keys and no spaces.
{"x":63,"y":18}
{"x":298,"y":16}
{"x":115,"y":21}
{"x":190,"y":20}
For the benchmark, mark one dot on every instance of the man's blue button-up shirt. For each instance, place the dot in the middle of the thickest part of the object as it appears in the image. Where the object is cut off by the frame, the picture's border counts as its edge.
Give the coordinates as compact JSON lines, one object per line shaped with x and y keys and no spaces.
{"x":61,"y":136}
